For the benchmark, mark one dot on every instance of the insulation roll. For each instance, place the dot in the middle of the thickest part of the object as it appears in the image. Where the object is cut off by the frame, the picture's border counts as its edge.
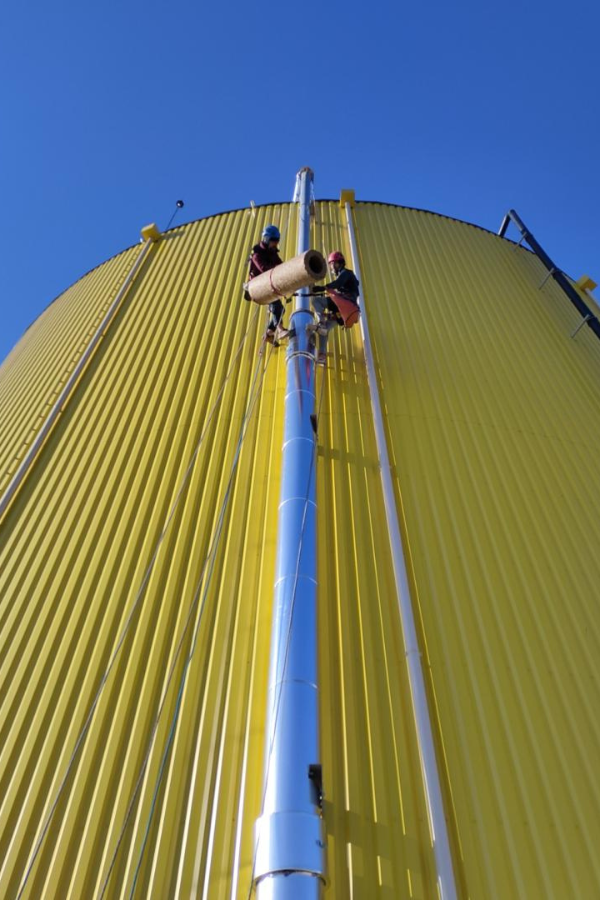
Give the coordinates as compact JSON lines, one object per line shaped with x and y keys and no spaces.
{"x":290,"y":276}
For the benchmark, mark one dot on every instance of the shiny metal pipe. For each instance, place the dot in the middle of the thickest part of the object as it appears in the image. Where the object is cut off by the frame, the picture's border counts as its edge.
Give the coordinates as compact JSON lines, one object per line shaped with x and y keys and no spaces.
{"x":290,"y":844}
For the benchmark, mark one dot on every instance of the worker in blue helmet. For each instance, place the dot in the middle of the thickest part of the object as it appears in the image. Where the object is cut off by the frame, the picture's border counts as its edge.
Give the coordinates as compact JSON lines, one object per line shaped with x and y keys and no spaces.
{"x":265,"y":256}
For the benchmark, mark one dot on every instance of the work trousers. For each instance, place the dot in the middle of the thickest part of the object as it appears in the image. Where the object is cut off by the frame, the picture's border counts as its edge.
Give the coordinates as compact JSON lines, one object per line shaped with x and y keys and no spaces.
{"x":323,"y":304}
{"x":276,"y":310}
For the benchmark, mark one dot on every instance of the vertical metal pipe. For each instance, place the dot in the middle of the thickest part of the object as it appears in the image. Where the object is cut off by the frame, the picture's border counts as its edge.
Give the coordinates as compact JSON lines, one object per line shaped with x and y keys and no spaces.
{"x":433,"y":792}
{"x":290,"y":857}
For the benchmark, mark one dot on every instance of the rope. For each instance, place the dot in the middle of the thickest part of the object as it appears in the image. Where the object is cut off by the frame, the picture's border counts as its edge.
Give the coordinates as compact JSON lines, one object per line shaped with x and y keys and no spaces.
{"x":127,"y":625}
{"x":273,"y":288}
{"x":287,"y":641}
{"x":209,"y":560}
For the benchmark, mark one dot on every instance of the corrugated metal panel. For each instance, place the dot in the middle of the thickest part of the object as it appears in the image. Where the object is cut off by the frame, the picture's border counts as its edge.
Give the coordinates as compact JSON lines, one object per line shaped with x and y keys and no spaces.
{"x":74,"y":550}
{"x":494,"y":420}
{"x":34,"y":373}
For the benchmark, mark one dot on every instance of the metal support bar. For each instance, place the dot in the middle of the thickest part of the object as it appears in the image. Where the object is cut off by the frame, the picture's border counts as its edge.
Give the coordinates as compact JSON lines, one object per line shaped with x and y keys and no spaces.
{"x":549,"y":275}
{"x":504,"y":225}
{"x":431,"y":778}
{"x":290,"y":840}
{"x":580,"y":326}
{"x":559,"y":276}
{"x":58,"y":406}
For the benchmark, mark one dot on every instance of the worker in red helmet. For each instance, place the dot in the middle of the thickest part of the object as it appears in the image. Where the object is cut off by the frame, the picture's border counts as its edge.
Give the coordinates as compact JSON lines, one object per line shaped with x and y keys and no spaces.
{"x":339,"y":306}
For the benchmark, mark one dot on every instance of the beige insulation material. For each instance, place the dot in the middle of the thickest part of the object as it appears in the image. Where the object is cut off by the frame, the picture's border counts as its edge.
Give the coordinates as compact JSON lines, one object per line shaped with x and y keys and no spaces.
{"x":283,"y":280}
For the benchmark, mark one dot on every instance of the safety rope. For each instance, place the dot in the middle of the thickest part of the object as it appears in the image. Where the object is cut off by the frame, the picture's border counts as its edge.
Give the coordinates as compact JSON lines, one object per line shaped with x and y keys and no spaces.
{"x":212,"y":557}
{"x":273,"y":287}
{"x":288,"y":637}
{"x":129,"y":619}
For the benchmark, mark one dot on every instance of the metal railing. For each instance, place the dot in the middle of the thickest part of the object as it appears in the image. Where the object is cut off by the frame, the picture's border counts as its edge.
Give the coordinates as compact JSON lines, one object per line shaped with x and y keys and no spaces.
{"x":554,"y":272}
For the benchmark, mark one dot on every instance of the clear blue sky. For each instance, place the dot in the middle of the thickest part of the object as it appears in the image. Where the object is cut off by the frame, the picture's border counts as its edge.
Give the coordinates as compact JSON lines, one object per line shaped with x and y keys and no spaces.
{"x":112,"y":111}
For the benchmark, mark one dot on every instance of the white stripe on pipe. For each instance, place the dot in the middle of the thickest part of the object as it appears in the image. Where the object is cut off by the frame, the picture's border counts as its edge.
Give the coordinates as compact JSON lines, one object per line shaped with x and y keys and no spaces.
{"x":64,"y":395}
{"x":431,"y":778}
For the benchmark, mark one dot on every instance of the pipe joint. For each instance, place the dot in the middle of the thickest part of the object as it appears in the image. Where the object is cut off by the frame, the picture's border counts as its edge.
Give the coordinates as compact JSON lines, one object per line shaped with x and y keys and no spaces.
{"x":289,"y":842}
{"x":294,"y":354}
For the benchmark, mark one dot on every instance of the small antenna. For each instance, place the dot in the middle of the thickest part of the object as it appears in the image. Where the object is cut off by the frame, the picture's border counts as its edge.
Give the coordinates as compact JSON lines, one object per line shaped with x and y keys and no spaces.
{"x":179,"y":205}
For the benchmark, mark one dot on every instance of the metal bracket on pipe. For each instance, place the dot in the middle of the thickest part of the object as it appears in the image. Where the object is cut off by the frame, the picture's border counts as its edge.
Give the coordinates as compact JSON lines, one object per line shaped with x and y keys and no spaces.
{"x":516,"y":247}
{"x":315,"y":773}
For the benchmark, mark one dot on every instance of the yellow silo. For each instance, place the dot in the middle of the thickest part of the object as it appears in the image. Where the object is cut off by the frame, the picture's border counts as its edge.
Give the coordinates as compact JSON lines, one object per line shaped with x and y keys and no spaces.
{"x":112,"y":585}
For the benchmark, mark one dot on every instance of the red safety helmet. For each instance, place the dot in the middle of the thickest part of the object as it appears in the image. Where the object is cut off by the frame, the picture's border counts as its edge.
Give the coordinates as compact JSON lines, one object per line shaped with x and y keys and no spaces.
{"x":336,"y":257}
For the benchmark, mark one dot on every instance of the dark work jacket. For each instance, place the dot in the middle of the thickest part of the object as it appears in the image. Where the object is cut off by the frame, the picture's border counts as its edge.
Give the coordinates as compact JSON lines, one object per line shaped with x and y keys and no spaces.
{"x":263,"y":259}
{"x":346,"y":284}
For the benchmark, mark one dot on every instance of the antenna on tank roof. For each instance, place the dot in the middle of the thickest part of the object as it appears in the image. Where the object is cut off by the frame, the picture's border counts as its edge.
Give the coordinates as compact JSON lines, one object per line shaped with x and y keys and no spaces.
{"x":178,"y":205}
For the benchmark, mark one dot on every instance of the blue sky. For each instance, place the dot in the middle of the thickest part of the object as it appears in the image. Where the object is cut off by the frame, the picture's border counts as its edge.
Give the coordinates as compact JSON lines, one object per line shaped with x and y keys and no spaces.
{"x":112,"y":111}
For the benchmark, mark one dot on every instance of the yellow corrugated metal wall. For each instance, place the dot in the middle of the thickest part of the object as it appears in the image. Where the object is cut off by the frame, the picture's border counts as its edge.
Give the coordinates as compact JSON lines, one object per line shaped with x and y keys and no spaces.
{"x":493,"y":415}
{"x":33,"y":375}
{"x":375,"y":814}
{"x":76,"y":548}
{"x":492,"y":419}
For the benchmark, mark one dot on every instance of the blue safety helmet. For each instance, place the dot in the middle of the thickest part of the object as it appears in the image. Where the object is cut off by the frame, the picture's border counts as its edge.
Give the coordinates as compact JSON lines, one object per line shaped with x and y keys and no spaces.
{"x":271,"y":233}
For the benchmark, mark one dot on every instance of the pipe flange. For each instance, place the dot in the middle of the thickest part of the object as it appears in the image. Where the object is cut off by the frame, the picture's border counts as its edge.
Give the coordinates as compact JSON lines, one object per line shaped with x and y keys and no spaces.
{"x":290,"y":842}
{"x":306,"y":353}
